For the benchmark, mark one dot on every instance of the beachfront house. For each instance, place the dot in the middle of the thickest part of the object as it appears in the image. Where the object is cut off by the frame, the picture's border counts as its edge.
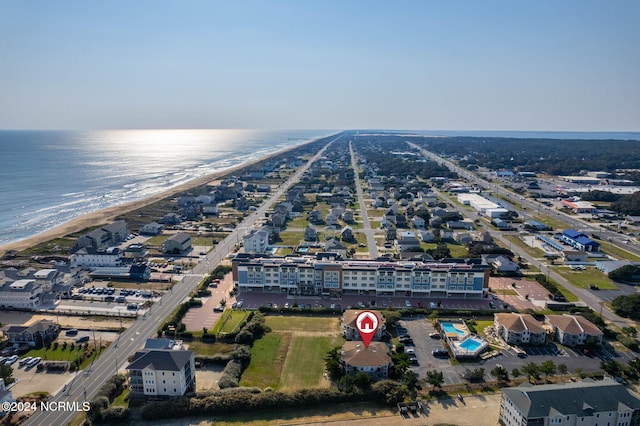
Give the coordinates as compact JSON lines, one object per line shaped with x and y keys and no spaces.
{"x":156,"y":373}
{"x":20,"y":294}
{"x":105,"y":236}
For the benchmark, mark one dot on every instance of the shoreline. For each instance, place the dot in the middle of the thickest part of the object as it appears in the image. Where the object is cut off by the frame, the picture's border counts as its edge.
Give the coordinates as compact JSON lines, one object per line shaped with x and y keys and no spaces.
{"x":108,"y":214}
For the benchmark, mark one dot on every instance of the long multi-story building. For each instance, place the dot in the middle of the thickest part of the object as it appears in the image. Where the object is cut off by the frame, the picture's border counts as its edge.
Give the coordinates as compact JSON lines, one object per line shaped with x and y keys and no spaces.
{"x":307,"y":275}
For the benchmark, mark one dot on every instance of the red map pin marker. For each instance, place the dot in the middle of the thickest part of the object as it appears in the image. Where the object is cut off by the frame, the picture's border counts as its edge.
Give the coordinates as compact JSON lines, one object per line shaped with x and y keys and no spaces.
{"x":367,"y":325}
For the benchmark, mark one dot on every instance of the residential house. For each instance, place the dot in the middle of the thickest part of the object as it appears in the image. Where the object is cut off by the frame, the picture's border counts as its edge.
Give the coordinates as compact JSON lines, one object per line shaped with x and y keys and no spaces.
{"x":257,"y":241}
{"x":346,"y":234}
{"x":374,"y":359}
{"x":519,"y":328}
{"x":460,"y":224}
{"x":350,"y":330}
{"x":435,"y":221}
{"x":574,"y":330}
{"x":171,"y":219}
{"x":427,"y":236}
{"x":20,"y":294}
{"x":278,"y":220}
{"x":331,"y":219}
{"x":310,"y":234}
{"x":335,"y":246}
{"x":108,"y":235}
{"x":315,"y":216}
{"x":177,"y":243}
{"x":418,"y":222}
{"x":347,"y":216}
{"x":407,"y":240}
{"x":156,"y":373}
{"x":580,"y":403}
{"x":391,"y":234}
{"x":153,"y":228}
{"x":40,"y":332}
{"x":88,"y":257}
{"x":503,"y":265}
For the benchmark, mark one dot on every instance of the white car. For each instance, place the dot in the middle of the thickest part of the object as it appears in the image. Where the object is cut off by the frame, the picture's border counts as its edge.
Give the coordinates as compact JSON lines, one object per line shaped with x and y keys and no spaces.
{"x":407,"y":303}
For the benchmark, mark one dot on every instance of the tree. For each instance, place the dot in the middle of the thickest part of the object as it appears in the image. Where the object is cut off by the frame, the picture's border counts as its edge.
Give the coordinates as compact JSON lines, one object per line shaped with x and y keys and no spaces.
{"x":532,"y":370}
{"x":548,"y":368}
{"x":5,"y":372}
{"x":500,"y":373}
{"x":362,"y":381}
{"x":435,"y":378}
{"x":391,"y":317}
{"x":630,"y":331}
{"x":223,"y":302}
{"x":410,"y":380}
{"x":333,"y":365}
{"x":515,"y":373}
{"x":562,"y":369}
{"x":612,"y":367}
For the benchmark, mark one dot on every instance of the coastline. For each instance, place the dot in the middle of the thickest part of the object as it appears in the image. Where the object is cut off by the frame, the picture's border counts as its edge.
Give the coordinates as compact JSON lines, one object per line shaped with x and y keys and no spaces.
{"x":108,"y":214}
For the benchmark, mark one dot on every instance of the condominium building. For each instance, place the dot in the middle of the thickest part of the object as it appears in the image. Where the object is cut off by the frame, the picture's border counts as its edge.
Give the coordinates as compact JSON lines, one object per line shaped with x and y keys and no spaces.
{"x":308,"y":275}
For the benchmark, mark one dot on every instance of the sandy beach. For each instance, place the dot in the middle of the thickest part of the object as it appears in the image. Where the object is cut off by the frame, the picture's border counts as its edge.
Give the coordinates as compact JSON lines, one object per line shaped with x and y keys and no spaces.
{"x":108,"y":214}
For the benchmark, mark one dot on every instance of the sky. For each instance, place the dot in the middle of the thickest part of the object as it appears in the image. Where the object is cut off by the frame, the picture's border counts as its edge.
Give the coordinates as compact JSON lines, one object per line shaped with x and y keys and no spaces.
{"x":570,"y":65}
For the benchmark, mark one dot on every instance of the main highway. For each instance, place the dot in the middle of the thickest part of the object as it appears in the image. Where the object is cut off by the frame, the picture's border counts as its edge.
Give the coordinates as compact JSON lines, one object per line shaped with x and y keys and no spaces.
{"x":586,"y":296}
{"x":86,"y":383}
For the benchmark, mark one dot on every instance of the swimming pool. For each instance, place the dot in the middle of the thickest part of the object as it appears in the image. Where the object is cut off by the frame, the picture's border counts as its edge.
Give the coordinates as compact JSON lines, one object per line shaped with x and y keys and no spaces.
{"x":470,"y":345}
{"x":450,"y":328}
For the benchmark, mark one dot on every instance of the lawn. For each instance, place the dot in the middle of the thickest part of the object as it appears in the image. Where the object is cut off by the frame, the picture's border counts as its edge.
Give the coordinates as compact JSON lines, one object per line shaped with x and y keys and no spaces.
{"x":583,"y":279}
{"x":290,"y":238}
{"x":304,"y":364}
{"x":156,"y":240}
{"x":479,"y":327}
{"x":618,"y":252}
{"x":279,"y":323}
{"x":268,"y":355}
{"x":229,"y":321}
{"x":67,"y":354}
{"x":210,"y":349}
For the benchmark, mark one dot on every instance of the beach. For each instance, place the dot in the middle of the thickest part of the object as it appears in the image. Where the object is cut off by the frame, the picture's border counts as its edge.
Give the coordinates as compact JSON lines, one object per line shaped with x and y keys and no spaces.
{"x":108,"y":214}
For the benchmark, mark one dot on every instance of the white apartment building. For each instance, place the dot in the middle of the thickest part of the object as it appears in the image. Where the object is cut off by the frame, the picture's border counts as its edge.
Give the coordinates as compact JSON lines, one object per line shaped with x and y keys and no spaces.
{"x":310,"y":276}
{"x":162,"y":373}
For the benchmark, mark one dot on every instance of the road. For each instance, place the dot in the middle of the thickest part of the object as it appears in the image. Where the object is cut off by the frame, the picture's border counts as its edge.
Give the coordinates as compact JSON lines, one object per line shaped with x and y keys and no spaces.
{"x":87,"y":383}
{"x":586,"y":296}
{"x":368,"y":232}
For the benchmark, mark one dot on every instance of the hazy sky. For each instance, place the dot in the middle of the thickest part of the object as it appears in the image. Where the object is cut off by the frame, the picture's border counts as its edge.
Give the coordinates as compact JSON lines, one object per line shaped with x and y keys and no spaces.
{"x":460,"y":65}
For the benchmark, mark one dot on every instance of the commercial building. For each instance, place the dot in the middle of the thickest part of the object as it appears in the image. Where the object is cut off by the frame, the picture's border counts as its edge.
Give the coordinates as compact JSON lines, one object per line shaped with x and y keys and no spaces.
{"x":579,"y":240}
{"x":88,"y":257}
{"x":308,"y":275}
{"x":20,"y":294}
{"x":177,"y":243}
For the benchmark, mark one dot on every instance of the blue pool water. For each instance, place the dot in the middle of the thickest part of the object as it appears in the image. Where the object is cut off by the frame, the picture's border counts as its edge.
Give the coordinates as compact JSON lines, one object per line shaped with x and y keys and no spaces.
{"x":470,"y":345}
{"x":450,"y":328}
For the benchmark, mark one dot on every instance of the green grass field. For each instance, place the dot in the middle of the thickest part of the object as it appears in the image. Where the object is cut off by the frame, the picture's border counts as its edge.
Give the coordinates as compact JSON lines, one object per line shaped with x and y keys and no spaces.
{"x":290,"y":238}
{"x":304,"y":364}
{"x":617,"y":252}
{"x":267,"y":360}
{"x":282,"y":323}
{"x":583,"y":279}
{"x":292,"y":355}
{"x":210,"y":349}
{"x":66,"y":354}
{"x":229,"y":321}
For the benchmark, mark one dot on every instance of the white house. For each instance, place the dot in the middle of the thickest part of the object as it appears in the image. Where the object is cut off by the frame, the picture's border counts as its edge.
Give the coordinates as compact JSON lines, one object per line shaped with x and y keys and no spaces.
{"x":89,"y":256}
{"x":257,"y":241}
{"x":153,"y":228}
{"x":162,"y":373}
{"x":20,"y":294}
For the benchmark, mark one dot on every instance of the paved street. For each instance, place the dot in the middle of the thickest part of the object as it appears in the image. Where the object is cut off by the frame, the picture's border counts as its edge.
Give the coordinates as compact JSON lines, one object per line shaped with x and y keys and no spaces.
{"x":368,"y":232}
{"x":86,"y":384}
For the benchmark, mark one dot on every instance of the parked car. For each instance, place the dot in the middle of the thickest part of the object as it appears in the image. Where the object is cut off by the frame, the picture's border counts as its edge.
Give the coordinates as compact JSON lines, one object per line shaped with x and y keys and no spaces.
{"x":218,"y":309}
{"x":440,"y":353}
{"x":25,"y":361}
{"x":71,"y":332}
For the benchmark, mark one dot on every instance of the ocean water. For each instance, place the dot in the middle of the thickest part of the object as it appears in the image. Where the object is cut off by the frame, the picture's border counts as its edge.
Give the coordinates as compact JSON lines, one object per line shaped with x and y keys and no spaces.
{"x":50,"y":177}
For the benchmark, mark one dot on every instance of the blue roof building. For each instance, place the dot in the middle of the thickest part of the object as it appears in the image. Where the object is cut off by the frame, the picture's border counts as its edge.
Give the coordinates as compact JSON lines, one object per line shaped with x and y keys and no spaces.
{"x":579,"y":240}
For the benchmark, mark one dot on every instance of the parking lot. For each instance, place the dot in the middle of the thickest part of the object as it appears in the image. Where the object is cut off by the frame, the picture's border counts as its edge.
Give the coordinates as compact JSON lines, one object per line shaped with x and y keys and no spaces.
{"x":420,"y":328}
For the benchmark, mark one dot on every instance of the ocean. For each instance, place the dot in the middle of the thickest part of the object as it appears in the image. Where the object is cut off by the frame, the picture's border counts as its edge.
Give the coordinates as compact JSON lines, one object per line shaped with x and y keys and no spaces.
{"x":50,"y":177}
